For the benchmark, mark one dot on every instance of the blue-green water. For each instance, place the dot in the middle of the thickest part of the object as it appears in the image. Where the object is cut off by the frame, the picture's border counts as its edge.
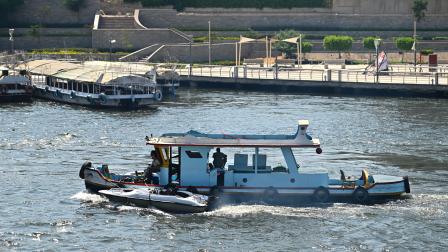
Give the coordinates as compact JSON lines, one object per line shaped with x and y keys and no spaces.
{"x":43,"y":205}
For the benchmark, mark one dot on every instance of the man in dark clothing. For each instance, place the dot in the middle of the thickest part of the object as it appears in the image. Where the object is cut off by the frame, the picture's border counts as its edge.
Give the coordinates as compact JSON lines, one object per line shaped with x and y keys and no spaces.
{"x":219,"y":159}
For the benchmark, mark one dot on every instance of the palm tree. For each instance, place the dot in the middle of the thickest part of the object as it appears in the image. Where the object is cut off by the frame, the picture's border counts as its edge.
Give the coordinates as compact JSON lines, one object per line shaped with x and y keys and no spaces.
{"x":419,"y":8}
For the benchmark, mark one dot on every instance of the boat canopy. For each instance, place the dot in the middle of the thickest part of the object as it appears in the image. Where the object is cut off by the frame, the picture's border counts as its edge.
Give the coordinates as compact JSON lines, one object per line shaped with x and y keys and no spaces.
{"x":93,"y":72}
{"x":194,"y":138}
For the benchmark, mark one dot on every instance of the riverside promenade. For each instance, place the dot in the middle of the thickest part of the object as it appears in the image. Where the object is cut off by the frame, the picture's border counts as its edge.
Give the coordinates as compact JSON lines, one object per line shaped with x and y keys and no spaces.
{"x":400,"y":80}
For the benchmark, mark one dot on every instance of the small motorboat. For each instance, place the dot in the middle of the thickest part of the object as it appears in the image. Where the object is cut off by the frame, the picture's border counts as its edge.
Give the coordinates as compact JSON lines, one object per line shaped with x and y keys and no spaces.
{"x":168,"y":200}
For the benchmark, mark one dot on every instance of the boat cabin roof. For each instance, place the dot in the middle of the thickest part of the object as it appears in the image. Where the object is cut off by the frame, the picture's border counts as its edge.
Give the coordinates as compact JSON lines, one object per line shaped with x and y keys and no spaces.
{"x":93,"y":72}
{"x":194,"y":138}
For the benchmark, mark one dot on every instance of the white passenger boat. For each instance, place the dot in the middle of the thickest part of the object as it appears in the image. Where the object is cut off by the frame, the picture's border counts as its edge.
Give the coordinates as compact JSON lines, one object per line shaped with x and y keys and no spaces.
{"x":271,"y":173}
{"x":15,"y":87}
{"x":163,"y":199}
{"x":101,"y":86}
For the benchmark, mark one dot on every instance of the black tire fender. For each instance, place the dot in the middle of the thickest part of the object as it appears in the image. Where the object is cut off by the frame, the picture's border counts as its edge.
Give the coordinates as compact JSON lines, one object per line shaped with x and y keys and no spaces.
{"x":86,"y":164}
{"x":270,"y":194}
{"x":360,"y":195}
{"x":321,"y":194}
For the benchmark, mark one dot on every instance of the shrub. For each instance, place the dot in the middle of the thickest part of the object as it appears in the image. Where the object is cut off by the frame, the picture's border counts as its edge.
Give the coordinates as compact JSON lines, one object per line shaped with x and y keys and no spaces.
{"x":307,"y":47}
{"x":338,"y":43}
{"x":427,"y":51}
{"x":369,"y":42}
{"x":404,"y":43}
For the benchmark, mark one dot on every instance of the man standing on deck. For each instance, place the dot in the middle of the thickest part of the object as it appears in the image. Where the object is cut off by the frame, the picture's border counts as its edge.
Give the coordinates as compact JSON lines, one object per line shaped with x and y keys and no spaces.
{"x":219,"y":159}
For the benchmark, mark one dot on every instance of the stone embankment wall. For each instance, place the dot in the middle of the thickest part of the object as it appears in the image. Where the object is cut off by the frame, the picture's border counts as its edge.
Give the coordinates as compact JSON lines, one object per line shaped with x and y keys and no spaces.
{"x":53,"y":12}
{"x":26,"y":38}
{"x":344,"y":15}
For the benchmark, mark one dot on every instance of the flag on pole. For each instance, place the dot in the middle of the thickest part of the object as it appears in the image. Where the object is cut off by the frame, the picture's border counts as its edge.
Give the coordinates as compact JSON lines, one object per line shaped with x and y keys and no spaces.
{"x":291,"y":40}
{"x":413,"y":46}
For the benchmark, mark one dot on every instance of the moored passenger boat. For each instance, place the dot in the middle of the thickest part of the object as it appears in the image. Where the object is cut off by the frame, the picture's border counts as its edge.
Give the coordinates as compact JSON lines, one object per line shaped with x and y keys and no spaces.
{"x":271,"y":174}
{"x":93,"y":85}
{"x":15,"y":87}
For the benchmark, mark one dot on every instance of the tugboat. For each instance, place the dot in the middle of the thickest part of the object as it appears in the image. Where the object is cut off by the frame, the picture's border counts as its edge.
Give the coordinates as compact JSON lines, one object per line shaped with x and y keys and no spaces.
{"x":185,"y":161}
{"x":15,"y":87}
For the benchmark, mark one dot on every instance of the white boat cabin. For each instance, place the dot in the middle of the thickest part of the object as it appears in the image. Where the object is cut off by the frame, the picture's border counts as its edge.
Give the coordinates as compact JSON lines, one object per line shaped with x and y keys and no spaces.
{"x":254,"y":162}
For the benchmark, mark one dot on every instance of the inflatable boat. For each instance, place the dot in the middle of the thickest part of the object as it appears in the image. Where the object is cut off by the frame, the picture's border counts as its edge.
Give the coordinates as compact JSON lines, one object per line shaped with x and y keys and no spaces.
{"x":171,"y":201}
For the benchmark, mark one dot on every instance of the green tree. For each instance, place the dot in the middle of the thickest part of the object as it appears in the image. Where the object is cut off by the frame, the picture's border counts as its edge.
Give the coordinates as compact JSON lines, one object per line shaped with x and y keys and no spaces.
{"x":404,"y":44}
{"x":287,"y":48}
{"x":369,"y":44}
{"x":418,"y":9}
{"x":74,"y":5}
{"x":338,"y":43}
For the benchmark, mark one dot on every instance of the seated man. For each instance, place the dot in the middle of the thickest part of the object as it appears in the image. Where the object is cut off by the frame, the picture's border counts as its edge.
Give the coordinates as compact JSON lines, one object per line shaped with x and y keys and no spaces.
{"x":219,"y":159}
{"x":153,"y":167}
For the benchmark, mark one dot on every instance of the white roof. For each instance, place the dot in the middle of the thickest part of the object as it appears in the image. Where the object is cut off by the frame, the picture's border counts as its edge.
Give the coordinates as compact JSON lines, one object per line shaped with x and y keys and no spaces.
{"x":93,"y":71}
{"x":194,"y":138}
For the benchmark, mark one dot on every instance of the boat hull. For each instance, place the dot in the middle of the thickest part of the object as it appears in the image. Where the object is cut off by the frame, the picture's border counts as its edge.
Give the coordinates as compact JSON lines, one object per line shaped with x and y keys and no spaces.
{"x":15,"y":98}
{"x":378,"y":192}
{"x":166,"y":203}
{"x":94,"y":101}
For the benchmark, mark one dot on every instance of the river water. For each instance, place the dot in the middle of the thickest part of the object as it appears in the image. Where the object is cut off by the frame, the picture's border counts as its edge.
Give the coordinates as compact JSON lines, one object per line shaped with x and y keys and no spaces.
{"x":43,"y":205}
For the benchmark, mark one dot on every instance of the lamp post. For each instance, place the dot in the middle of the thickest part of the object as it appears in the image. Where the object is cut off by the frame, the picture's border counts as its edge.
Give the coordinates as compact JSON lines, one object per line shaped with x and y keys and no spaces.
{"x":11,"y":38}
{"x":377,"y":42}
{"x":111,"y":41}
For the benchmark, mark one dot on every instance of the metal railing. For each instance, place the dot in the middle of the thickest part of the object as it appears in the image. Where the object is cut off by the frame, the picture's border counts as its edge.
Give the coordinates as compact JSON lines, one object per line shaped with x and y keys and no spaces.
{"x":395,"y":76}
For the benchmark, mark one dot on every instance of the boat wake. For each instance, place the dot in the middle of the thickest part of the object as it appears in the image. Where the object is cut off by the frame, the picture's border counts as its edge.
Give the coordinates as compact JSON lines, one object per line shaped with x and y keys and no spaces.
{"x":419,"y":205}
{"x":89,"y":198}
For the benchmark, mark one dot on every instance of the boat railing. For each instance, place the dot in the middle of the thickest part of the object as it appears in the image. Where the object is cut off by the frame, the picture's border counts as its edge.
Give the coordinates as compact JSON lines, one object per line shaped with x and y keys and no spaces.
{"x":95,"y":88}
{"x":395,"y":75}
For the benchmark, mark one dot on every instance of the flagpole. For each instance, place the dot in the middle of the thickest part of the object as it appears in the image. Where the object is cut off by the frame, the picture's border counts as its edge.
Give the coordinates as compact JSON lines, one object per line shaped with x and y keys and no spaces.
{"x":236,"y":54}
{"x":415,"y":45}
{"x":300,"y":50}
{"x":267,"y":52}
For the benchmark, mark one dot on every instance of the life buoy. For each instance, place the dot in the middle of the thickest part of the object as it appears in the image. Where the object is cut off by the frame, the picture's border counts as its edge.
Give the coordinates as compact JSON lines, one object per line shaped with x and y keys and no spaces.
{"x":103,"y":98}
{"x":158,"y":95}
{"x":321,"y":194}
{"x":86,"y":164}
{"x":58,"y":93}
{"x":361,"y":195}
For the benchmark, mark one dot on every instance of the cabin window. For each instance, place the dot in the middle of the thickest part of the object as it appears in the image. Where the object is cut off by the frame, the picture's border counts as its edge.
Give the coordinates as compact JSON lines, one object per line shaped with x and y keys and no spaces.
{"x":193,"y":154}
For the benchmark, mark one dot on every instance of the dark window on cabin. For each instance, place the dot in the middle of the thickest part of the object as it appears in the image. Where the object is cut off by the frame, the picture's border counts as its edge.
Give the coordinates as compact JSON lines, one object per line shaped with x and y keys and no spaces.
{"x":193,"y":154}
